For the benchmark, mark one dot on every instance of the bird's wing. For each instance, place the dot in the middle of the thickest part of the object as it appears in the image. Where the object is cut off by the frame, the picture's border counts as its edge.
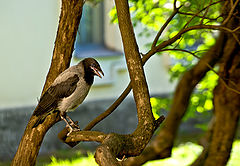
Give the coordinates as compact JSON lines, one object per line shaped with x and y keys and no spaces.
{"x":49,"y":101}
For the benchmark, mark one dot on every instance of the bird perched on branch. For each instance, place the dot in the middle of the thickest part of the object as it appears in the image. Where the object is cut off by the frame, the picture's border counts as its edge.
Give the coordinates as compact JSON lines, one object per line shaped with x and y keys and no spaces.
{"x":67,"y":91}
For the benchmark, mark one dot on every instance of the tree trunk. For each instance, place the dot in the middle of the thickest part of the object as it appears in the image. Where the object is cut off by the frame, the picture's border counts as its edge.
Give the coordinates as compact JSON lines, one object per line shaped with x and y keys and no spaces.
{"x":226,"y":102}
{"x":32,"y":138}
{"x":227,"y":107}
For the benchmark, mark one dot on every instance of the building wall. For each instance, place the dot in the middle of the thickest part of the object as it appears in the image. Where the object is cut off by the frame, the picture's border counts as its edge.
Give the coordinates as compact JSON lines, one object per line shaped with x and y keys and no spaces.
{"x":27,"y":39}
{"x":27,"y":34}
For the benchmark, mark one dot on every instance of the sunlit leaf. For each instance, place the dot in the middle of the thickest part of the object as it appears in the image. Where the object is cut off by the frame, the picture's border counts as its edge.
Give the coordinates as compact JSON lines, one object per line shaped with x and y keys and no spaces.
{"x":208,"y":104}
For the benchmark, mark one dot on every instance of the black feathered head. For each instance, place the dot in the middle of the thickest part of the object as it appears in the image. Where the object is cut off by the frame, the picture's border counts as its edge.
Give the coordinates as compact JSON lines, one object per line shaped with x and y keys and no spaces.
{"x":91,"y":68}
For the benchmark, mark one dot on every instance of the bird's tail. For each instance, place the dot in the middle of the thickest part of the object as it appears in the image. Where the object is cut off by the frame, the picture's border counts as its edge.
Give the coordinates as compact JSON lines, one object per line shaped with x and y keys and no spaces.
{"x":40,"y":120}
{"x":41,"y":114}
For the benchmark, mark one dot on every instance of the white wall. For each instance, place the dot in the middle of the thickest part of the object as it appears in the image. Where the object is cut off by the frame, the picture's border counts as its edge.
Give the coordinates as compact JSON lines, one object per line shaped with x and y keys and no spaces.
{"x":27,"y":34}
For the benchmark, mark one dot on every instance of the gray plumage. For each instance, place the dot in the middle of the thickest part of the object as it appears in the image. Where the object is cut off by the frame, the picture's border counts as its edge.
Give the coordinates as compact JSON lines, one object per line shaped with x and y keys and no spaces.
{"x":68,"y":90}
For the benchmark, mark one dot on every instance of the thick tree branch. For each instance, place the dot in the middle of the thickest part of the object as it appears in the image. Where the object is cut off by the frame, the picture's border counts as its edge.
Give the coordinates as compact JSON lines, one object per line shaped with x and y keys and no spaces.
{"x":32,"y":138}
{"x":76,"y":137}
{"x":145,"y":127}
{"x":161,"y":146}
{"x":226,"y":109}
{"x":205,"y":142}
{"x":71,"y":13}
{"x":115,"y":145}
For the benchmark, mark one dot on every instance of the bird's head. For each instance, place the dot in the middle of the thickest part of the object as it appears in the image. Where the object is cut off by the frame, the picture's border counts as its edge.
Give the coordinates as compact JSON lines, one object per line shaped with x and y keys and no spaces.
{"x":93,"y":67}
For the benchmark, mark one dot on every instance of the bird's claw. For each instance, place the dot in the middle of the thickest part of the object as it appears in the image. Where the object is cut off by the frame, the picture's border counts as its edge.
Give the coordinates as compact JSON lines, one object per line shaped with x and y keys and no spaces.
{"x":70,"y":124}
{"x":74,"y":125}
{"x":72,"y":129}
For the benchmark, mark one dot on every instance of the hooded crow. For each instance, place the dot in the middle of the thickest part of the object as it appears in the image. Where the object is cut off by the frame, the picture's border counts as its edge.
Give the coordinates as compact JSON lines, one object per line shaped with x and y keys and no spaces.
{"x":67,"y":91}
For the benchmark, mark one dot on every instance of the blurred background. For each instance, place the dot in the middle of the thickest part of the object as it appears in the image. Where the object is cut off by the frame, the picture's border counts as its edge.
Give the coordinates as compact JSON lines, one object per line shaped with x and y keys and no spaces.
{"x":28,"y":30}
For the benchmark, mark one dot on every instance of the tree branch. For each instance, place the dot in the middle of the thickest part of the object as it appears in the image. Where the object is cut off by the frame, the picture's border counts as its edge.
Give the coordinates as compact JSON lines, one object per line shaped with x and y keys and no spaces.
{"x":205,"y":13}
{"x":175,"y":11}
{"x":32,"y":138}
{"x":211,"y":68}
{"x":195,"y":27}
{"x":115,"y":145}
{"x":230,"y":12}
{"x":110,"y":109}
{"x":145,"y":127}
{"x":161,"y":146}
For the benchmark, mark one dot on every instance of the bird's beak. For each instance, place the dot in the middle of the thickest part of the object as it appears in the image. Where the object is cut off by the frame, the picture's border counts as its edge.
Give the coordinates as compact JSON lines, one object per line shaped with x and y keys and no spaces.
{"x":97,"y":71}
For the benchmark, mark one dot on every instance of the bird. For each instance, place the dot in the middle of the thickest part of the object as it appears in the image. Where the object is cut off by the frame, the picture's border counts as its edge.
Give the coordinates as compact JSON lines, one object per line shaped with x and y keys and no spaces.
{"x":68,"y":91}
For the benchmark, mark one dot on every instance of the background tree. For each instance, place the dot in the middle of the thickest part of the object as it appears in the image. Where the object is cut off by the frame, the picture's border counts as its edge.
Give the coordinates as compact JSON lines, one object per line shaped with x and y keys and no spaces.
{"x":188,"y":34}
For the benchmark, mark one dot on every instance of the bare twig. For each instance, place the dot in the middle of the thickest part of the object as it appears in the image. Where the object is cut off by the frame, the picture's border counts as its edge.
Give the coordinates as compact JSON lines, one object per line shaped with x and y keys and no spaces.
{"x":175,"y":5}
{"x":180,"y":33}
{"x":110,"y":109}
{"x":178,"y":42}
{"x":197,"y":13}
{"x":205,"y":13}
{"x":191,"y":14}
{"x":175,"y":11}
{"x":231,"y":12}
{"x":210,"y":67}
{"x":236,"y":29}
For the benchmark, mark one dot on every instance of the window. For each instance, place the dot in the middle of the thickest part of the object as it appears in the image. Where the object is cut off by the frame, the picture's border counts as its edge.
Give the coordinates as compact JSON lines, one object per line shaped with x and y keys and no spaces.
{"x":90,"y":37}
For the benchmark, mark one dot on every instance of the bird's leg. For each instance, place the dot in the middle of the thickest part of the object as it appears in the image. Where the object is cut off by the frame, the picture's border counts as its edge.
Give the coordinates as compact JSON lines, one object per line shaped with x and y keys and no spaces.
{"x":73,"y":124}
{"x":72,"y":127}
{"x":63,"y":117}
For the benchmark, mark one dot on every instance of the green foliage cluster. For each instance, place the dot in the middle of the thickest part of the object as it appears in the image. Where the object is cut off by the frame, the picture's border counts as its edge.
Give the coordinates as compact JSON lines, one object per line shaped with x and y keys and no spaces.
{"x":152,"y":14}
{"x":159,"y":104}
{"x":200,"y":102}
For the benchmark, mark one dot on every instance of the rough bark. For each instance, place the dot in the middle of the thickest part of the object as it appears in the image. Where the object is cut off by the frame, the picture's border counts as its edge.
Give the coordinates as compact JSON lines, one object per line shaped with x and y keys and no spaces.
{"x":204,"y":141}
{"x":130,"y":144}
{"x":71,"y":13}
{"x":218,"y":146}
{"x":162,"y":144}
{"x":227,"y":106}
{"x":32,"y":138}
{"x":134,"y":63}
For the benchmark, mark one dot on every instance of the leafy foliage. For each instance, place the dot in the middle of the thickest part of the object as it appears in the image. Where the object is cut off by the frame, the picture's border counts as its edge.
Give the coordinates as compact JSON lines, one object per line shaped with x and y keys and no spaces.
{"x":200,"y":102}
{"x":159,"y":104}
